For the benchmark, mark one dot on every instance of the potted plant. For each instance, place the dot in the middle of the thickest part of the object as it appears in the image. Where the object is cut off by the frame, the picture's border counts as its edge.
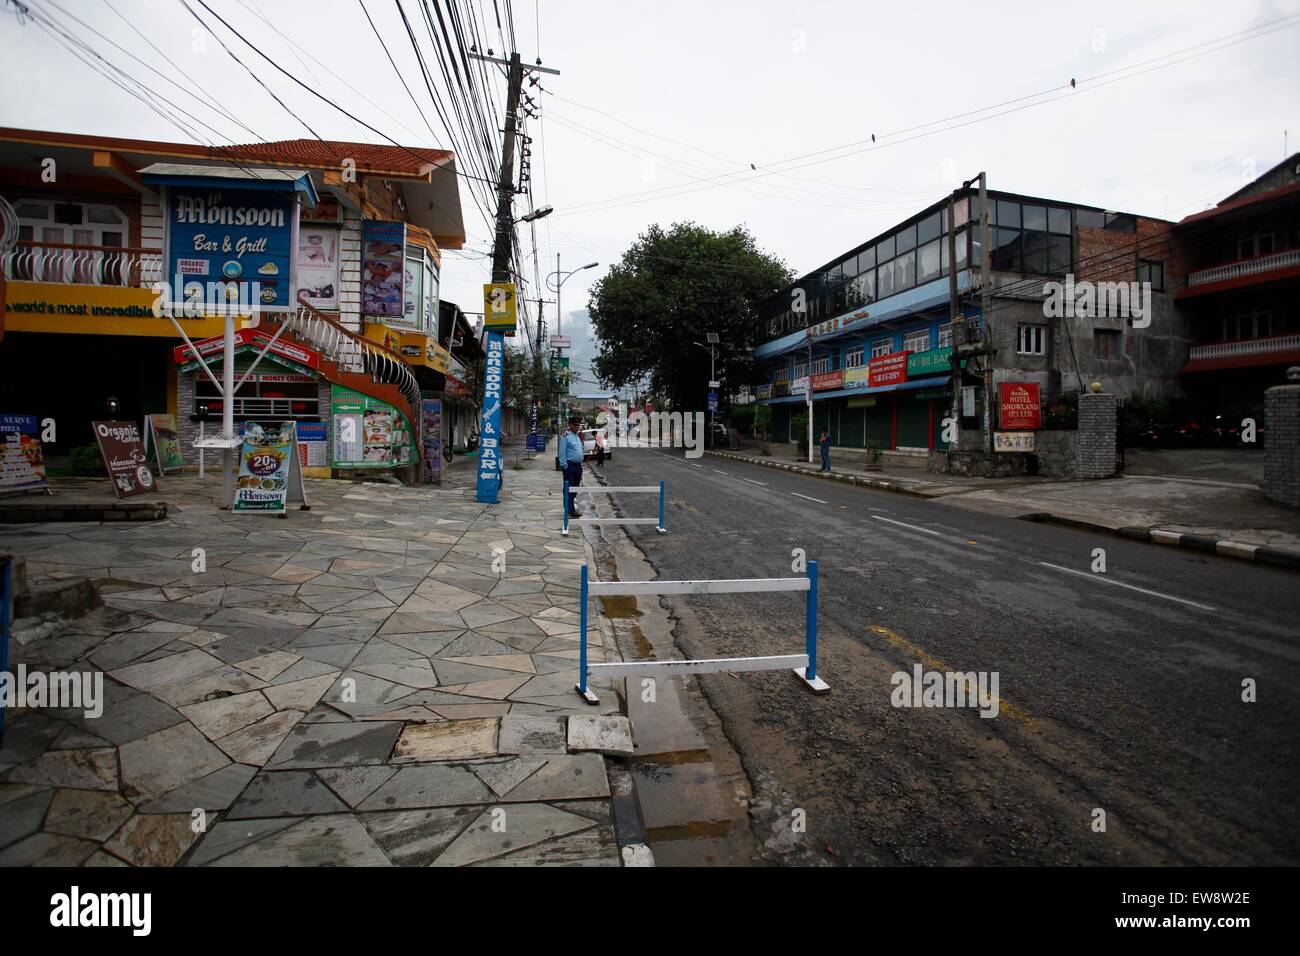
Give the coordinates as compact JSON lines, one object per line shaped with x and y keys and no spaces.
{"x":873,"y":455}
{"x":799,"y":425}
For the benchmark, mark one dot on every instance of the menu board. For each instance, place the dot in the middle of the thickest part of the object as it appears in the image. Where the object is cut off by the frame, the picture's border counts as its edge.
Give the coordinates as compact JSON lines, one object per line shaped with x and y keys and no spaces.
{"x":269,"y":473}
{"x":22,"y":460}
{"x":123,"y":449}
{"x":369,"y":432}
{"x":318,"y":267}
{"x":165,"y":441}
{"x":313,"y":444}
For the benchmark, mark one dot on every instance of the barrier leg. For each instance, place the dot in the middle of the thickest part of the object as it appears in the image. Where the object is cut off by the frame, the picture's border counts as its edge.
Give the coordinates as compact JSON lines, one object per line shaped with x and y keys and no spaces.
{"x":6,"y":596}
{"x":663,"y":527}
{"x":564,"y":503}
{"x":583,"y":690}
{"x":809,"y":674}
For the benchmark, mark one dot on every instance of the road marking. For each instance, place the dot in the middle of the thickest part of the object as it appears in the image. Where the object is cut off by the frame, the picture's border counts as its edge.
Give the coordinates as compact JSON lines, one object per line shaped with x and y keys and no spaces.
{"x":903,"y":644}
{"x":904,"y":524}
{"x":1121,"y":584}
{"x":753,"y":482}
{"x":716,"y":472}
{"x":797,"y":495}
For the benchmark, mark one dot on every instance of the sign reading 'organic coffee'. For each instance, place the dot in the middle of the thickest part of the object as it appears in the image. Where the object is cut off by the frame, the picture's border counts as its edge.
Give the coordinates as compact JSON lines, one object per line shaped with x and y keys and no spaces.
{"x":123,"y":449}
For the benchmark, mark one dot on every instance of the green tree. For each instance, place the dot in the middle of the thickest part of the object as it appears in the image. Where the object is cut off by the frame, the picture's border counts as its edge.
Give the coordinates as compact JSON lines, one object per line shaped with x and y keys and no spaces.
{"x":671,"y":288}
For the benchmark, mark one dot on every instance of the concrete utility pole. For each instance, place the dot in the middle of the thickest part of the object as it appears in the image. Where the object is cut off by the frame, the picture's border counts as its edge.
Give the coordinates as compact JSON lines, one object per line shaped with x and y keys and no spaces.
{"x":808,"y":398}
{"x":986,"y":297}
{"x":954,"y":315}
{"x":506,"y":180}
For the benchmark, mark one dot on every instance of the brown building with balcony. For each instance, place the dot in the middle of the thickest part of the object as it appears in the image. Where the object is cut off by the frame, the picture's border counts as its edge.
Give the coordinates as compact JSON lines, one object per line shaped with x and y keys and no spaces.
{"x":1241,"y":302}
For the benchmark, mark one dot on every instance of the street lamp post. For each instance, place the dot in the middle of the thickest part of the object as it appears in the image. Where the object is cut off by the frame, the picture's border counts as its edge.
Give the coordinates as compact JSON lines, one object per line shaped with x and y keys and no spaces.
{"x":560,"y":278}
{"x":713,"y":340}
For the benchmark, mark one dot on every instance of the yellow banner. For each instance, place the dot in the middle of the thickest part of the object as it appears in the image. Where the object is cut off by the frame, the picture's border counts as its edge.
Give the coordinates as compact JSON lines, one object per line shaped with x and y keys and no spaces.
{"x":416,"y":348}
{"x":499,"y":307}
{"x":95,"y":310}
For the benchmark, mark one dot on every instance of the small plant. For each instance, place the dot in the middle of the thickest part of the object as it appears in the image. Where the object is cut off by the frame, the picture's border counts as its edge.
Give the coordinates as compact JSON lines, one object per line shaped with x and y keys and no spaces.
{"x":87,"y":460}
{"x":873,"y":455}
{"x":799,"y":425}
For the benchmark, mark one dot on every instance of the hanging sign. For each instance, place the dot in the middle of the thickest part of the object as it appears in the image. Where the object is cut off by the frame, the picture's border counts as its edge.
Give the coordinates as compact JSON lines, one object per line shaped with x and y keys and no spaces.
{"x":123,"y":450}
{"x":499,"y":307}
{"x":22,"y":459}
{"x":269,"y":473}
{"x":489,"y":456}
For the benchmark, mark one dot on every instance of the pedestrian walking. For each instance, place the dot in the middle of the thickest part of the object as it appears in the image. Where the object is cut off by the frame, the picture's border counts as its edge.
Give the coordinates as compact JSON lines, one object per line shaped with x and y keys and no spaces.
{"x":599,"y":437}
{"x":571,"y":457}
{"x":826,"y":449}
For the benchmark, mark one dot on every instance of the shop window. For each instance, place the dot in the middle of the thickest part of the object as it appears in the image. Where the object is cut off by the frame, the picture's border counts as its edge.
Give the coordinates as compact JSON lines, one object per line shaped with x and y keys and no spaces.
{"x":1106,"y":343}
{"x":930,"y":261}
{"x":1032,"y":340}
{"x":917,"y":341}
{"x":821,"y":365}
{"x":882,"y":347}
{"x":945,"y":336}
{"x":854,"y":358}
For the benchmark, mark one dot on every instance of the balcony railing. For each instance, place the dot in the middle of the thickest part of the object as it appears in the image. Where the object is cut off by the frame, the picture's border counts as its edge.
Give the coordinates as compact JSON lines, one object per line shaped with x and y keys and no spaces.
{"x":122,"y":266}
{"x":1221,"y":350}
{"x":1246,"y":267}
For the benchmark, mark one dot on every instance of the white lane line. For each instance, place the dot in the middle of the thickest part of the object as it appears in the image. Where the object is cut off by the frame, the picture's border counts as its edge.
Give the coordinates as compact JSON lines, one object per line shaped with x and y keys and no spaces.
{"x":693,"y":465}
{"x":753,"y":482}
{"x":797,"y":495}
{"x":904,"y":524}
{"x":716,"y":472}
{"x":1131,"y":587}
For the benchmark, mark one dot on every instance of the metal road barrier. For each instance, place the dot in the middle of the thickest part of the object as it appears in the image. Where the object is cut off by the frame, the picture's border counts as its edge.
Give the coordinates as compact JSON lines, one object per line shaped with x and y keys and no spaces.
{"x":804,"y":665}
{"x":660,"y":524}
{"x":6,"y":609}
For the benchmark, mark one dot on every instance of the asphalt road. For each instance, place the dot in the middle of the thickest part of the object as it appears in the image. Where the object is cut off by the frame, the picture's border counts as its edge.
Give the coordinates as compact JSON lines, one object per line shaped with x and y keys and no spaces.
{"x":1119,"y":691}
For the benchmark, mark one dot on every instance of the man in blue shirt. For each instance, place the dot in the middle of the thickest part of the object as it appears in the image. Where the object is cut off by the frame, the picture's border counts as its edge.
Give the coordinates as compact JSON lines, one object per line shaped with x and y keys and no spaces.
{"x":571,"y":459}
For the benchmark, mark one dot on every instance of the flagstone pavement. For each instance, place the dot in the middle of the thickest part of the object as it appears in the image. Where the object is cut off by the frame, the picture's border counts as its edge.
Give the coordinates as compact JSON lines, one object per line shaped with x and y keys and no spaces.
{"x":352,"y":685}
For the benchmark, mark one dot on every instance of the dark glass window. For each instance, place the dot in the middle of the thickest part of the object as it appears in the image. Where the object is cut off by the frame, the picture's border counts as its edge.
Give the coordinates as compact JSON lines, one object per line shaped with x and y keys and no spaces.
{"x":930,"y":227}
{"x":884,"y":250}
{"x":905,"y":271}
{"x":929,"y":260}
{"x":1035,"y":251}
{"x":1059,"y":254}
{"x":1121,"y":222}
{"x":850,"y":267}
{"x":867,"y":258}
{"x":1006,"y":250}
{"x":1008,"y":214}
{"x":1106,"y":343}
{"x":905,"y":238}
{"x":1090,"y":218}
{"x":1035,"y":217}
{"x":1058,"y":220}
{"x":1153,"y":272}
{"x":885,"y":280}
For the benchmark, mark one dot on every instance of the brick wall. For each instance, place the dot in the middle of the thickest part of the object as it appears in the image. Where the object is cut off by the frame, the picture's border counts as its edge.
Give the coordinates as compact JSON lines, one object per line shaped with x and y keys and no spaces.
{"x":1282,"y":446}
{"x":1096,"y":441}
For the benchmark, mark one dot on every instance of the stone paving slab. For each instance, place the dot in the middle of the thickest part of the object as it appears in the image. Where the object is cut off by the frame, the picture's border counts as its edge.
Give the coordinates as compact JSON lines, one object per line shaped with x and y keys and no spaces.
{"x":356,"y":685}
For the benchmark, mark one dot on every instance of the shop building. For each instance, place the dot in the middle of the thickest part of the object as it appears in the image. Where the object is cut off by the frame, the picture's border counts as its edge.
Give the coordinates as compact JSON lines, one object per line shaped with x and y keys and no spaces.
{"x":871,"y":334}
{"x":353,"y":295}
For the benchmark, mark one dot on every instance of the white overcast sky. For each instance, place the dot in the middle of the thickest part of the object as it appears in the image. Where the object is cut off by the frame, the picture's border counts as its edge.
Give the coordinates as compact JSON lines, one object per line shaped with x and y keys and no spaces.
{"x":659,"y":96}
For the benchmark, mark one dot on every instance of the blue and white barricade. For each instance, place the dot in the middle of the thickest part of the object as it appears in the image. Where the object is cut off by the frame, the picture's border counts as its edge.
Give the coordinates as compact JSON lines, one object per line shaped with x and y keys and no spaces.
{"x":804,"y":665}
{"x":659,"y":523}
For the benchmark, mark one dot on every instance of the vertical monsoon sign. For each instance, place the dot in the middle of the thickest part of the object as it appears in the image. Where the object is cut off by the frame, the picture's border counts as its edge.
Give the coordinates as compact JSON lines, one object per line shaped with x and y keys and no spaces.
{"x":489,"y":456}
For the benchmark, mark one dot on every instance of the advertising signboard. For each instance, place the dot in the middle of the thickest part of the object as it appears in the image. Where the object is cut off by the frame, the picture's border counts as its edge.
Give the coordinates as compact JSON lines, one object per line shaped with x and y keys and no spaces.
{"x":123,"y":449}
{"x":1019,"y":406}
{"x":1013,"y":441}
{"x":489,"y":456}
{"x":383,"y":272}
{"x":823,"y":381}
{"x":269,"y":472}
{"x":164,"y":439}
{"x":499,"y":307}
{"x":231,"y":235}
{"x":431,"y":440}
{"x":858,"y":377}
{"x":369,"y":432}
{"x":888,"y":369}
{"x":317,"y":279}
{"x":313,"y":444}
{"x":933,"y":362}
{"x":246,"y":340}
{"x":22,"y":460}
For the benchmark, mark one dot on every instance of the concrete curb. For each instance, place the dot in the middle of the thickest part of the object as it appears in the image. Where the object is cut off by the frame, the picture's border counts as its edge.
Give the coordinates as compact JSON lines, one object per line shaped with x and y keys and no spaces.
{"x":878,"y":483}
{"x":1261,"y":554}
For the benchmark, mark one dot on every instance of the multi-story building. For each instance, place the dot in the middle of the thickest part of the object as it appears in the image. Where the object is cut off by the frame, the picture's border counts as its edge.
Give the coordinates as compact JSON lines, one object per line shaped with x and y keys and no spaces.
{"x":346,"y":242}
{"x":1242,"y":298}
{"x":871,"y":332}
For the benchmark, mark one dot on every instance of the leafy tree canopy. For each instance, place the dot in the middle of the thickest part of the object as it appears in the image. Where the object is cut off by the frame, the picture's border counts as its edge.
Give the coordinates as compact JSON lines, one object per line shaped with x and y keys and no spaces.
{"x":671,"y":288}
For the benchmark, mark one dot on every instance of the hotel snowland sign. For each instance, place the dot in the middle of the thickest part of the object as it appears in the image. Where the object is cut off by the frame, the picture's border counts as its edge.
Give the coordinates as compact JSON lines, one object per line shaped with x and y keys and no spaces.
{"x":1019,"y":405}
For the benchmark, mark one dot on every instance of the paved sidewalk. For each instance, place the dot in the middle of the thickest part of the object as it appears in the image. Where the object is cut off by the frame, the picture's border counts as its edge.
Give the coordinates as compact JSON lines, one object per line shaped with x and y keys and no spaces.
{"x":353,"y":685}
{"x":1163,"y":508}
